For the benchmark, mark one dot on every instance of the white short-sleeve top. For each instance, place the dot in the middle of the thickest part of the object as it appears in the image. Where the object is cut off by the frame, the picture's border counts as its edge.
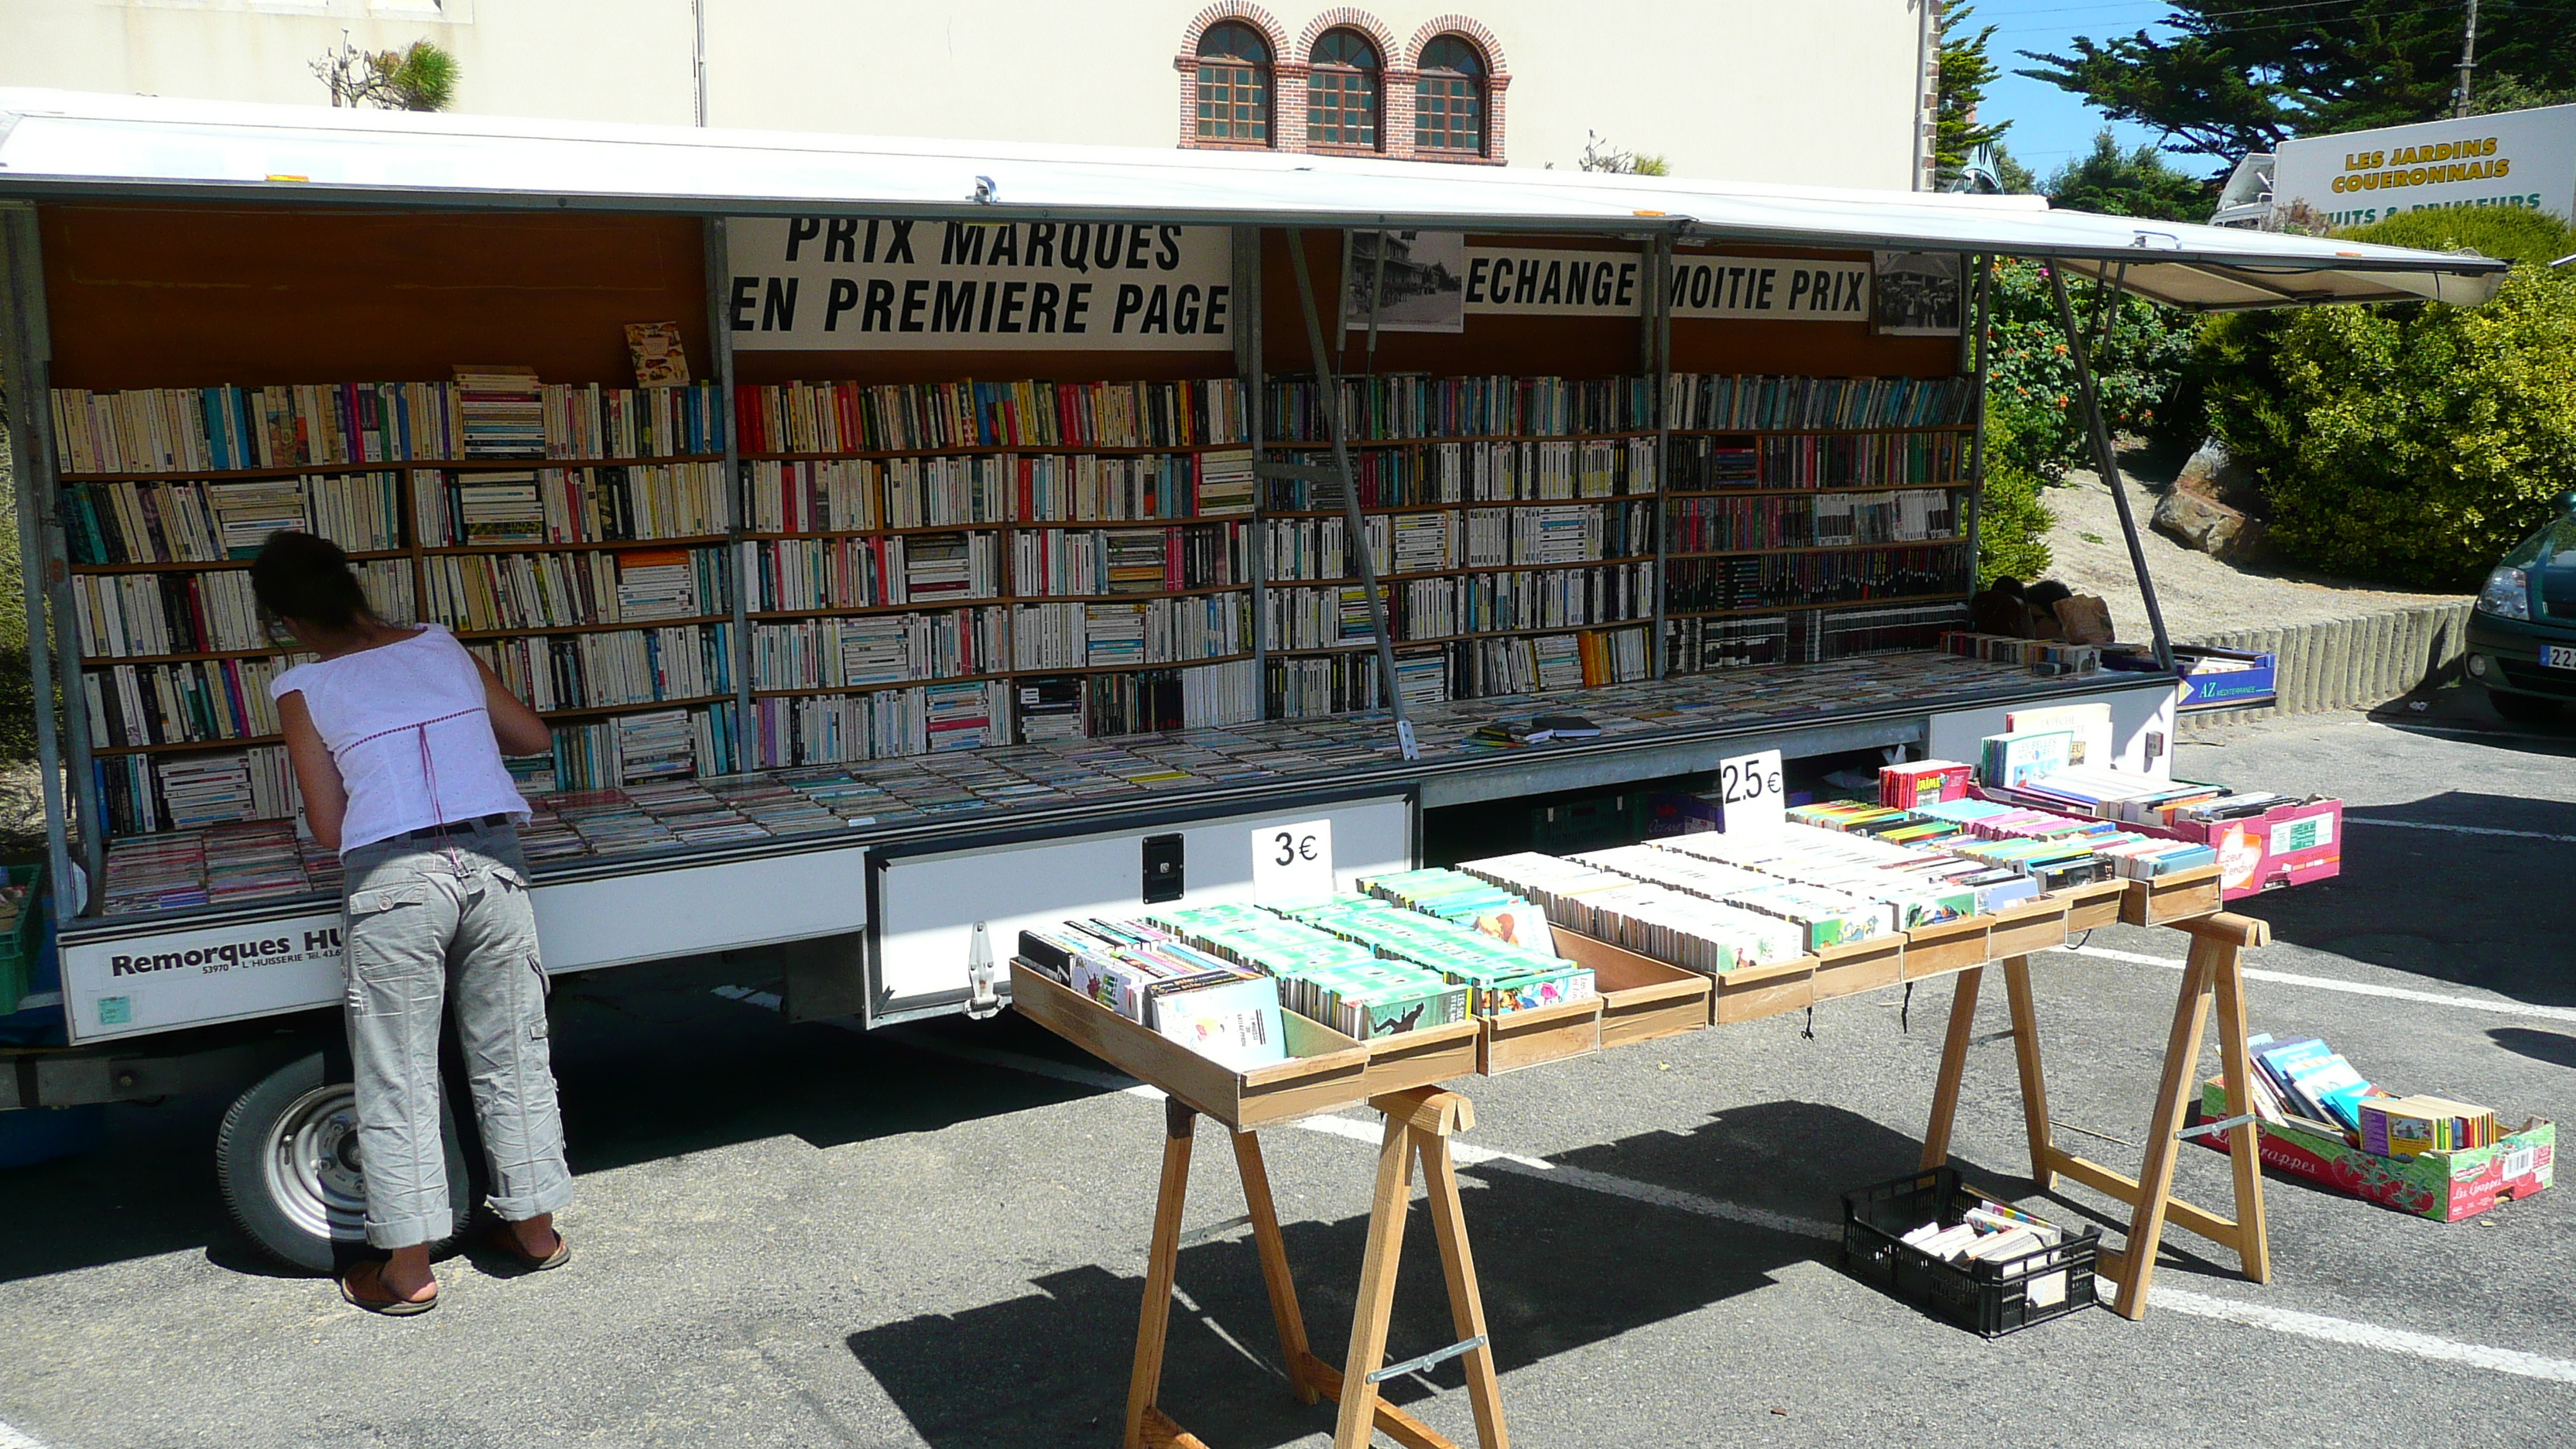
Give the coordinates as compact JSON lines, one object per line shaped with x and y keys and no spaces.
{"x":407,"y":725}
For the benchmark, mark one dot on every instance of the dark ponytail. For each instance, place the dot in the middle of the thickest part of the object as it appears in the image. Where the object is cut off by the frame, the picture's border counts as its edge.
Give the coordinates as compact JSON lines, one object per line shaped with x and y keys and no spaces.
{"x":305,"y":578}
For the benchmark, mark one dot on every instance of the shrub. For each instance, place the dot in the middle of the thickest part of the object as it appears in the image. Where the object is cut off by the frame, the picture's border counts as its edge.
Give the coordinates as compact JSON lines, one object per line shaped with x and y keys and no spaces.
{"x":2012,"y":529}
{"x":2028,"y":367}
{"x":2410,"y":443}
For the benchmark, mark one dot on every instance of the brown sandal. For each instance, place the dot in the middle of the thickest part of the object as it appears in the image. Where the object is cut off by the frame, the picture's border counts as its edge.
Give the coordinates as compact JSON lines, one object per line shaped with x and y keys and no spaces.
{"x":386,"y":1304}
{"x":505,"y":1241}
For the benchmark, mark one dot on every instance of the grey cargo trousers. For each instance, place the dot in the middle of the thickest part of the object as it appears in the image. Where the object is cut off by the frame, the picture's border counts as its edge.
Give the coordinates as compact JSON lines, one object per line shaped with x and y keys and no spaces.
{"x":426,"y":918}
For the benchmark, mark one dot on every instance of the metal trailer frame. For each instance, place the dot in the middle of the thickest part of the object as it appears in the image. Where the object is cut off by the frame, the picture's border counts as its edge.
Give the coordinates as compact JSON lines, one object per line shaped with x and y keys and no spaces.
{"x":74,"y":839}
{"x":2194,"y":267}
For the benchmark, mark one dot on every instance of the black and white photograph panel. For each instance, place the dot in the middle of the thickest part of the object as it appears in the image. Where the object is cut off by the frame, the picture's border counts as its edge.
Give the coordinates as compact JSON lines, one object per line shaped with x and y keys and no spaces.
{"x":1919,"y":294}
{"x":1422,"y":286}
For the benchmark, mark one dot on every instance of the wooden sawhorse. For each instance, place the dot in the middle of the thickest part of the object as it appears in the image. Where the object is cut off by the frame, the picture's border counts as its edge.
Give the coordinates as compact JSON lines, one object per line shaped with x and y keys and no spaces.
{"x":1419,"y":1124}
{"x":2214,"y":967}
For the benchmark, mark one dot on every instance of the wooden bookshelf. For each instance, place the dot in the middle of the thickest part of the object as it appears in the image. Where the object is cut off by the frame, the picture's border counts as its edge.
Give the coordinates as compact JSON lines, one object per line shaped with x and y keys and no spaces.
{"x":1762,"y":551}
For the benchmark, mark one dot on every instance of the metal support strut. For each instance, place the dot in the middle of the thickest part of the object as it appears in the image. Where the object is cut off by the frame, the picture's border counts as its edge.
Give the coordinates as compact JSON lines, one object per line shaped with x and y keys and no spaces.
{"x":1328,"y":392}
{"x":2105,"y":458}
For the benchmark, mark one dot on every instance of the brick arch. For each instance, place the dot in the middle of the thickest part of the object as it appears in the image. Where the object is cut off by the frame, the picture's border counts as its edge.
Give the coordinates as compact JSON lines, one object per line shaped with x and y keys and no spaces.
{"x":1467,"y":28}
{"x":1498,"y":80}
{"x":1343,"y":17}
{"x":1220,"y":12}
{"x":1186,"y":61}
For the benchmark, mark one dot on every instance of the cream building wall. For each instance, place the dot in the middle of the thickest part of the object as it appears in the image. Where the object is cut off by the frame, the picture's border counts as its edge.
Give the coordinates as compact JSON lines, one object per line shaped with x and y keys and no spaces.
{"x":1823,"y":92}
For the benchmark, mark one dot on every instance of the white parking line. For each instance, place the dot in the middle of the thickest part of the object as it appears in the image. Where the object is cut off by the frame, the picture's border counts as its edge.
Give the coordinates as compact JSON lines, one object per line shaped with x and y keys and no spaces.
{"x":12,"y":1439}
{"x":2197,"y":1305}
{"x":2350,"y":819}
{"x":2365,"y":1335}
{"x":2354,"y":988}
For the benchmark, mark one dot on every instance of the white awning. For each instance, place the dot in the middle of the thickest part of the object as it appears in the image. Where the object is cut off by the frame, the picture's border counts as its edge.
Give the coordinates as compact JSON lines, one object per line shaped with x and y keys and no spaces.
{"x":70,"y":144}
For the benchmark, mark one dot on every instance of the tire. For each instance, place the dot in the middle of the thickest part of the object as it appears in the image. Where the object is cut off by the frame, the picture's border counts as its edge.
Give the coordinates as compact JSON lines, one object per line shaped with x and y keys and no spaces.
{"x":2525,"y":708}
{"x":287,"y":1158}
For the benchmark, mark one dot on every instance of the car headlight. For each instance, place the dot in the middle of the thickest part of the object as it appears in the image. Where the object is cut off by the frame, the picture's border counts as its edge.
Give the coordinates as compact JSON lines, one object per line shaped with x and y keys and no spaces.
{"x":2507,"y":594}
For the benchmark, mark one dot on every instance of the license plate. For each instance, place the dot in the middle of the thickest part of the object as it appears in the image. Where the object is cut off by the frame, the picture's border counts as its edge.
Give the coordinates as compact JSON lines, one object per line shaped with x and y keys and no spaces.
{"x":2558,"y":656}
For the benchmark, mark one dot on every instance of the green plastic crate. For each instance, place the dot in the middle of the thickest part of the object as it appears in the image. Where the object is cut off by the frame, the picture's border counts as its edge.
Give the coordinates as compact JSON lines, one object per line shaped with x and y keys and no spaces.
{"x":18,"y":946}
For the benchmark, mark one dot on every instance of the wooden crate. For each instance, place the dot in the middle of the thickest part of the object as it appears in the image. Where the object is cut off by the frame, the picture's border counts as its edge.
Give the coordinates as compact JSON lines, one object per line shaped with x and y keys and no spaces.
{"x":1518,"y":1039}
{"x":1859,"y":966}
{"x":2027,"y":926}
{"x":1325,"y":1070}
{"x":1423,"y":1057}
{"x":2088,"y":906}
{"x":2176,"y":897}
{"x":1749,"y":993}
{"x":1947,"y":947}
{"x":1641,"y":998}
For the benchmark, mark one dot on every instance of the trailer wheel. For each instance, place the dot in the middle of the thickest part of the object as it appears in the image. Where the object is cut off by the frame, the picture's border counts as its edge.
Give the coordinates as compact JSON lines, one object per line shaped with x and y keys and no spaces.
{"x":287,"y":1156}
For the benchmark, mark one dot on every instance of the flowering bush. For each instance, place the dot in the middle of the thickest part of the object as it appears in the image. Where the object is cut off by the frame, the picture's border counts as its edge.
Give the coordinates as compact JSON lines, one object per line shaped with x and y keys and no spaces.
{"x":2136,"y":368}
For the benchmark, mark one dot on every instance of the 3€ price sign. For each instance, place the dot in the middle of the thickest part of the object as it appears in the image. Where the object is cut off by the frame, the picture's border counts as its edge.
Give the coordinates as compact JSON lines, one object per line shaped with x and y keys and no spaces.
{"x":1292,"y":862}
{"x":1750,"y":796}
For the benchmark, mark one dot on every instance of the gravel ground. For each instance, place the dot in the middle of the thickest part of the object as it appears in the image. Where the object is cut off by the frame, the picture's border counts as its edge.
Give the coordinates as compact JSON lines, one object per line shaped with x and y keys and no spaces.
{"x":2200,"y":595}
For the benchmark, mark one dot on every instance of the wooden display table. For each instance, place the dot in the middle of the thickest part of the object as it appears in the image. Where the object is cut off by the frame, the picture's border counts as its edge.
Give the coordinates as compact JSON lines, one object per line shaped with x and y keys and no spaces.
{"x":2214,"y":968}
{"x":1419,"y":1124}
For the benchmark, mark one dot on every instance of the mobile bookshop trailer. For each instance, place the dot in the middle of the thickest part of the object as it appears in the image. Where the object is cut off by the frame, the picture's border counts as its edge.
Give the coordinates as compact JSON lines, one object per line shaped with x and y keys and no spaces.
{"x":911,"y":542}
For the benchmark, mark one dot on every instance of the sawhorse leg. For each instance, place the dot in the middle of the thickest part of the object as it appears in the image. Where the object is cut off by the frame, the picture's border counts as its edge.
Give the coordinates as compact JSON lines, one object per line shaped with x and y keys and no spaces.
{"x":1954,"y":1063}
{"x":2214,"y":968}
{"x":1146,"y":1424}
{"x":1418,"y":1124}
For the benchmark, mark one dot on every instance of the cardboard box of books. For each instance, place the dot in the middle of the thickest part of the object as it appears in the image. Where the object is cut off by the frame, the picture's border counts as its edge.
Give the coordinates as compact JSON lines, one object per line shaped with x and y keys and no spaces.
{"x":2445,"y":1186}
{"x":2291,"y":843}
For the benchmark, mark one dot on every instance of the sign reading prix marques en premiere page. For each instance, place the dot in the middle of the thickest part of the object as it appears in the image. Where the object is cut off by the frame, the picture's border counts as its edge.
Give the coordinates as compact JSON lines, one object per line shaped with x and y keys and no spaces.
{"x":2517,"y":158}
{"x":818,"y":284}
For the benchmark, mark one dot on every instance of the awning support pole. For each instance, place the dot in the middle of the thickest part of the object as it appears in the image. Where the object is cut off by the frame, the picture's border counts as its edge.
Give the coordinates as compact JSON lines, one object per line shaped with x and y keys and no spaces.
{"x":2106,"y":459}
{"x":1328,"y":392}
{"x":1659,"y":367}
{"x":1981,"y":317}
{"x":30,"y":402}
{"x":717,"y":245}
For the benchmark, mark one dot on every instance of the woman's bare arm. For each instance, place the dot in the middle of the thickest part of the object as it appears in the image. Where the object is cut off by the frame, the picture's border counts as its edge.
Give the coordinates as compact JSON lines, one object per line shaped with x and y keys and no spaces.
{"x":517,"y":727}
{"x":326,"y":797}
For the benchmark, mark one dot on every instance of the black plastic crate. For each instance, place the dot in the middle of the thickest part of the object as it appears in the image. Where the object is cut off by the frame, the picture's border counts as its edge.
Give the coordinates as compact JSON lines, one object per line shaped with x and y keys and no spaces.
{"x":1990,"y":1298}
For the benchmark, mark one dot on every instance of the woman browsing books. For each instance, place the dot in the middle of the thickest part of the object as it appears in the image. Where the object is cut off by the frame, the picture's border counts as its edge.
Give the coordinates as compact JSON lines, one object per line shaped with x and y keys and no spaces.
{"x":396,"y":737}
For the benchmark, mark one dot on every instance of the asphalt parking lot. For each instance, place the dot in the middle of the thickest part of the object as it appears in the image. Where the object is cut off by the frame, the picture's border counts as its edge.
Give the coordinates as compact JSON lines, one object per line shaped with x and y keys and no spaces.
{"x":935,"y":1235}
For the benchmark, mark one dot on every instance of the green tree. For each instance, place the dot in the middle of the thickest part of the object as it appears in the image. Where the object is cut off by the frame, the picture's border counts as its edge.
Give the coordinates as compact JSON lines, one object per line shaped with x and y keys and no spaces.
{"x":419,"y":77}
{"x":2412,"y":443}
{"x":2129,"y":183}
{"x":1966,"y":71}
{"x":2504,"y":91}
{"x":2242,"y":75}
{"x":2017,"y":179}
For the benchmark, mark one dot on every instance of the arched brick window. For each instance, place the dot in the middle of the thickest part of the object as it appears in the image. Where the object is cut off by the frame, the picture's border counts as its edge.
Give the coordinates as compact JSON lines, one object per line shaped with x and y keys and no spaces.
{"x":1234,"y":89}
{"x":1343,"y":91}
{"x":1449,"y":100}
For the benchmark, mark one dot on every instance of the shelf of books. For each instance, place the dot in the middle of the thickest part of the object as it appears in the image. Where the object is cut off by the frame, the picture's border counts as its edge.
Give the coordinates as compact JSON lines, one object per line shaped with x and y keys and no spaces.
{"x":848,"y":585}
{"x":959,"y":565}
{"x":935,"y":567}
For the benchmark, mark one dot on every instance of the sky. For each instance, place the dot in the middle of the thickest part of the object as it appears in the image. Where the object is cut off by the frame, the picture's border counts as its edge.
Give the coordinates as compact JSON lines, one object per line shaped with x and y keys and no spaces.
{"x":2051,"y":125}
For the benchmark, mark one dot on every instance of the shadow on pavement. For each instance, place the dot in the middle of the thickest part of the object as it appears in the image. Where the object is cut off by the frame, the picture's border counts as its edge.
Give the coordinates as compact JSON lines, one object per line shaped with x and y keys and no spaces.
{"x":2554,"y":1047}
{"x":1561,"y":1268}
{"x":2478,"y":910}
{"x":652,"y":1065}
{"x":2464,"y":709}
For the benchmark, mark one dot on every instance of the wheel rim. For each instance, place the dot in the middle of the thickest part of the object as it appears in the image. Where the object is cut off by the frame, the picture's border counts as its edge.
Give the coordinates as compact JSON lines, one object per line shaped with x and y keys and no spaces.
{"x":312,"y":1165}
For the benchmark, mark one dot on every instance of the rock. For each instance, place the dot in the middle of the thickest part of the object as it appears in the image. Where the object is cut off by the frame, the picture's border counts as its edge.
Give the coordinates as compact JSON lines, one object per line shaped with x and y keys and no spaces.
{"x":2205,"y":524}
{"x":2214,"y":474}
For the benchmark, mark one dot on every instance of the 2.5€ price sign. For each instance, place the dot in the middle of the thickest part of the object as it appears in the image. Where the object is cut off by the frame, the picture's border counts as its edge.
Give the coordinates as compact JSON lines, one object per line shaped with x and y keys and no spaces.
{"x":1292,"y":862}
{"x":1750,"y":795}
